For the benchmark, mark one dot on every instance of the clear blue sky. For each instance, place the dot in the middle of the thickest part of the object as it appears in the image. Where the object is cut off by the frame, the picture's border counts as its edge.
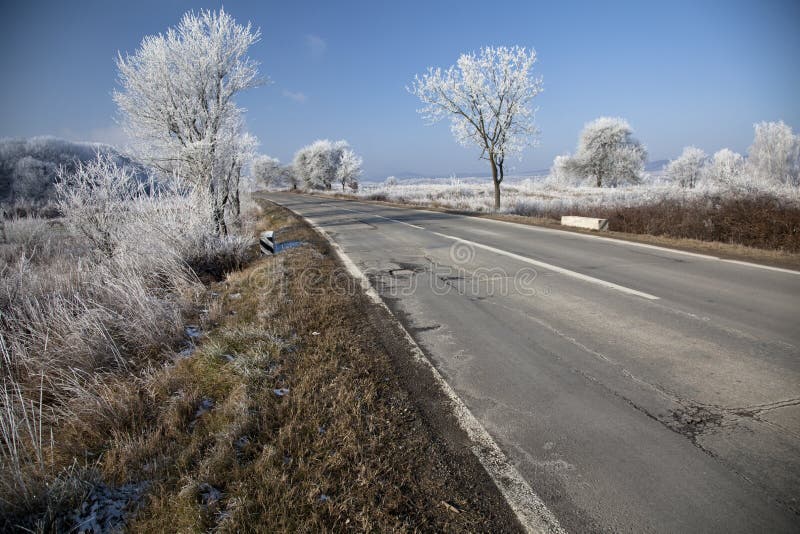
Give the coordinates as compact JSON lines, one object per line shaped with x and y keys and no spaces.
{"x":682,"y":72}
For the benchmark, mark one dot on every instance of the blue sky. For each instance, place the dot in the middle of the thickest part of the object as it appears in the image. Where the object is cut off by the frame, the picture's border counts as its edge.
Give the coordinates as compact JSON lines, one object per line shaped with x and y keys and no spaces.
{"x":681,"y":72}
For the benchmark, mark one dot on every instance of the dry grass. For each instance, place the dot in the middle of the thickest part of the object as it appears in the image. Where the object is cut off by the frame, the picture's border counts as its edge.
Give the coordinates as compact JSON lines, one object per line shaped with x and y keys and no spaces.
{"x":78,"y":324}
{"x":339,"y":446}
{"x":343,"y":449}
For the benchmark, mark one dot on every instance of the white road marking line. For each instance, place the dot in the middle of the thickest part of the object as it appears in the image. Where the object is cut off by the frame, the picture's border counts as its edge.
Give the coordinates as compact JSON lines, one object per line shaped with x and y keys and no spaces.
{"x":616,"y":242}
{"x":382,"y":217}
{"x":641,"y":245}
{"x":768,"y":267}
{"x":554,"y":268}
{"x":531,"y":261}
{"x":529,"y":508}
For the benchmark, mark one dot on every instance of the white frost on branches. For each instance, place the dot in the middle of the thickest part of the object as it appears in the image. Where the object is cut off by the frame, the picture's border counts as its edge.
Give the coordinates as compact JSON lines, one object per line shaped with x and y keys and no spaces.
{"x":488,"y":98}
{"x":176,"y":98}
{"x":774,"y":156}
{"x":349,"y":169}
{"x":726,"y":168}
{"x":608,"y":153}
{"x":687,"y":169}
{"x":324,"y":162}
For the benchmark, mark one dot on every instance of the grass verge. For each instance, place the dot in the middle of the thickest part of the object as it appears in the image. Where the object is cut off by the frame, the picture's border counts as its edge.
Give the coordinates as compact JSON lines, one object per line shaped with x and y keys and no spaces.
{"x":289,"y":416}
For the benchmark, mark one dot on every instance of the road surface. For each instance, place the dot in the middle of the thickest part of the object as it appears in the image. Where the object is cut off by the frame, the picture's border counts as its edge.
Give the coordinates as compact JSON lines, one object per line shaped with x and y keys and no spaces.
{"x":636,"y":389}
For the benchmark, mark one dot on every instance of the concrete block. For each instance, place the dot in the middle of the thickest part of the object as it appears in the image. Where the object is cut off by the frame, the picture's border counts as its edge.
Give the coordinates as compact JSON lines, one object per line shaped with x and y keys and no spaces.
{"x":585,"y":222}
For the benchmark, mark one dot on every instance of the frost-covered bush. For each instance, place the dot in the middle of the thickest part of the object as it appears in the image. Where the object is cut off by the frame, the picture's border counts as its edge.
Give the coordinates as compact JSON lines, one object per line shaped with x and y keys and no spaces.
{"x":560,"y":172}
{"x":726,"y":168}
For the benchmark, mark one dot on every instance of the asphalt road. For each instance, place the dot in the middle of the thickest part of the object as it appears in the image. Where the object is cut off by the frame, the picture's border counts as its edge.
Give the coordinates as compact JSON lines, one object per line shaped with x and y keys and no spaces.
{"x":636,"y":389}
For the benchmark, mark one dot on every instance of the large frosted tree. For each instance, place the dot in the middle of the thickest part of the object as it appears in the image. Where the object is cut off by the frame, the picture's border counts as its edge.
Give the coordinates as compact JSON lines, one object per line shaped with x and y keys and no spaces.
{"x":608,"y":153}
{"x":488,"y":98}
{"x":774,"y":156}
{"x":176,"y":99}
{"x":324,"y":162}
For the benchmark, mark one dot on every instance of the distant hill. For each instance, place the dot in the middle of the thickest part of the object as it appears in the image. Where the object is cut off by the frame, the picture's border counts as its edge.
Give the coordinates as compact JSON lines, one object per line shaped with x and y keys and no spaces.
{"x":412,"y":178}
{"x":655,"y":166}
{"x":28,"y":166}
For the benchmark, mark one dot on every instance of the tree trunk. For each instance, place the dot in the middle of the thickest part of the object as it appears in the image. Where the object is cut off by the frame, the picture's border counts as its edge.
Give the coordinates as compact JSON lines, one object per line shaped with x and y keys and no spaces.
{"x":496,"y":182}
{"x":236,"y":204}
{"x":219,"y":220}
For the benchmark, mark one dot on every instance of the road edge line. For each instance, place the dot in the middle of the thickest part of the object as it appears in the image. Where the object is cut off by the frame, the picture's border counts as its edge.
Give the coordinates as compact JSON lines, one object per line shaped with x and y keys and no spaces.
{"x":528,"y":507}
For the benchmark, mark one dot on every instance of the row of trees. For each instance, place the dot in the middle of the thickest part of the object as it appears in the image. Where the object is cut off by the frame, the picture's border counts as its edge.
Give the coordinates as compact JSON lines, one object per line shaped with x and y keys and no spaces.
{"x":177,"y":99}
{"x":609,"y":155}
{"x":488,"y":99}
{"x":319,"y":165}
{"x":773,"y":159}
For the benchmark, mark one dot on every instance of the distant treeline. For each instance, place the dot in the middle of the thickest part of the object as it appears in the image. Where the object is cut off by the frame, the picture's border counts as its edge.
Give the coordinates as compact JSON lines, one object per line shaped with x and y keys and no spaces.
{"x":28,"y":167}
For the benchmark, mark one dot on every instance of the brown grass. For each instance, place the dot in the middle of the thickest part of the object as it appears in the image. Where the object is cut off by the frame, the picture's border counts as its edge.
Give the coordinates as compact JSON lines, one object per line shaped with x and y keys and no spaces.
{"x":343,"y":449}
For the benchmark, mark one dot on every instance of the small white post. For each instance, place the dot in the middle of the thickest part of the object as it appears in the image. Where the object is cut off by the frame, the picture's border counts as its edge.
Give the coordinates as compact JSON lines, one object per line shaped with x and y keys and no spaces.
{"x":267,"y":242}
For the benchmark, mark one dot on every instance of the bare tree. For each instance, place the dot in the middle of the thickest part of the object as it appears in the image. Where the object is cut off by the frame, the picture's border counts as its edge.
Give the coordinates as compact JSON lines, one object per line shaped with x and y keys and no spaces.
{"x":488,"y":98}
{"x":177,"y":94}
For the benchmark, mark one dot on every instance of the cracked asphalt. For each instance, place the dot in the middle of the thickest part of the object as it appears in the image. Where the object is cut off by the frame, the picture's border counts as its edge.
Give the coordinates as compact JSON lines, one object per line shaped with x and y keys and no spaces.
{"x":677,"y":413}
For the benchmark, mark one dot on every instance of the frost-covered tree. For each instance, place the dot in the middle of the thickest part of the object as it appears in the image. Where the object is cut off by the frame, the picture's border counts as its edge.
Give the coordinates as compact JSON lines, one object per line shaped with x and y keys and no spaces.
{"x":488,"y":98}
{"x":271,"y":173}
{"x":390,"y":181}
{"x":239,"y":151}
{"x":774,"y":156}
{"x":608,"y":153}
{"x":687,"y":169}
{"x":349,"y":169}
{"x":560,"y":173}
{"x":318,"y":164}
{"x":726,"y":168}
{"x":176,"y":99}
{"x":267,"y":171}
